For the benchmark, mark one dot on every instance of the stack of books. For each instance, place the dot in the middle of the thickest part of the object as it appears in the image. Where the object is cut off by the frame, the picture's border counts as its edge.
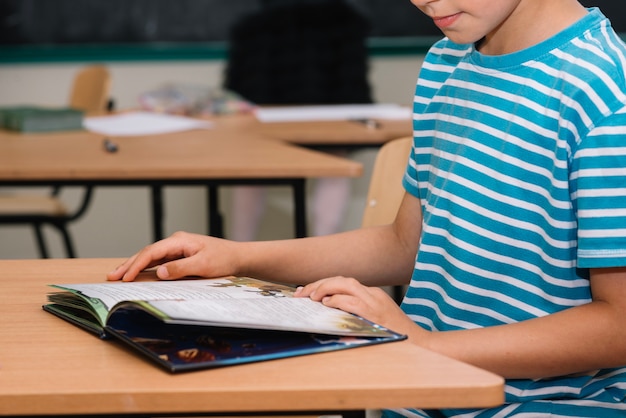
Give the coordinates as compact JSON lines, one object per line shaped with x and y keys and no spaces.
{"x":40,"y":119}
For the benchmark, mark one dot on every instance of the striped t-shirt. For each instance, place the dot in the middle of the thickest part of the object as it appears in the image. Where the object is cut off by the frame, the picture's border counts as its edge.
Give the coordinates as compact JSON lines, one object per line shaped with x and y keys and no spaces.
{"x":519,"y":162}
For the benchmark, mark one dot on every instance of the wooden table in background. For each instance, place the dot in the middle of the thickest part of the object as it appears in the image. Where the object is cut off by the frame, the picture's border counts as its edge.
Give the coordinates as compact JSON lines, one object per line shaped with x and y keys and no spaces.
{"x":50,"y":367}
{"x":224,"y":155}
{"x":321,"y":134}
{"x":239,"y":150}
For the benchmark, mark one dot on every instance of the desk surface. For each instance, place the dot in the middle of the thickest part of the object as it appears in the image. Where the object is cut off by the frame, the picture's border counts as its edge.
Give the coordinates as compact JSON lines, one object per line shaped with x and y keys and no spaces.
{"x":198,"y":154}
{"x":48,"y":366}
{"x":321,"y":133}
{"x":238,"y":147}
{"x":230,"y":153}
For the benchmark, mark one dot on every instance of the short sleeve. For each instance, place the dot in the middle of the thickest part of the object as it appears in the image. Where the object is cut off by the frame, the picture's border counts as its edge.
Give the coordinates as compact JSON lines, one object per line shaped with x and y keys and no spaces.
{"x":598,"y":181}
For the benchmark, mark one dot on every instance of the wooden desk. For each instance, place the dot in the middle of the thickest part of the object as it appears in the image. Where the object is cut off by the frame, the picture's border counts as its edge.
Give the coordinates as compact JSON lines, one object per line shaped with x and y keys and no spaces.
{"x":50,"y":367}
{"x":214,"y":157}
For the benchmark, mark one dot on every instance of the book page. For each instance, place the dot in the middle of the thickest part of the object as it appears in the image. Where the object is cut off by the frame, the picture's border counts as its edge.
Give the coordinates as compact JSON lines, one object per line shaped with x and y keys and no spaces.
{"x":288,"y":314}
{"x":234,"y":302}
{"x":111,"y":293}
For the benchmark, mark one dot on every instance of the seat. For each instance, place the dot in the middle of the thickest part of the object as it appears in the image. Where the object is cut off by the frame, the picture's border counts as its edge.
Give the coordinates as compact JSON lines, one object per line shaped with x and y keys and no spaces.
{"x":90,"y":93}
{"x":385,"y":190}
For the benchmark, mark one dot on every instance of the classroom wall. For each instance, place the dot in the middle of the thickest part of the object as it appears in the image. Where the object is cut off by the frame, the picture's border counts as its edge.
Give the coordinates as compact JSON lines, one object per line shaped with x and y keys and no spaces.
{"x":118,"y":222}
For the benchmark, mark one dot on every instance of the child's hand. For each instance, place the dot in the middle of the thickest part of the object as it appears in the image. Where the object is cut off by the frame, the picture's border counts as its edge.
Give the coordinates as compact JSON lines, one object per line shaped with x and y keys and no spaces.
{"x":181,"y":255}
{"x":371,"y":303}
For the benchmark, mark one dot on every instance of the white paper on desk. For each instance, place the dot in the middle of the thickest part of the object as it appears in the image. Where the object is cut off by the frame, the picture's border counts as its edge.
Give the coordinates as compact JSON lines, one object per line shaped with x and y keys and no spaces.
{"x":142,"y":123}
{"x":332,"y":112}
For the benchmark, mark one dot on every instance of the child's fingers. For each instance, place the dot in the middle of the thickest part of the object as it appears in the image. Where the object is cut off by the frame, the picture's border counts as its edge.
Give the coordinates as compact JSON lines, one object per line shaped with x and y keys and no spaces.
{"x":331,"y":286}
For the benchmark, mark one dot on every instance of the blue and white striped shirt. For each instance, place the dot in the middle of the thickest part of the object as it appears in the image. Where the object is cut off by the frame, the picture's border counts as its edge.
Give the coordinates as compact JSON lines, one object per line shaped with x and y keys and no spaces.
{"x":519,"y":162}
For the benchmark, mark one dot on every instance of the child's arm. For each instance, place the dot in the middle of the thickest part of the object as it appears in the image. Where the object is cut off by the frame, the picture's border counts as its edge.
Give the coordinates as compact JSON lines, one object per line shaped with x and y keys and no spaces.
{"x":575,"y":340}
{"x":377,"y":256}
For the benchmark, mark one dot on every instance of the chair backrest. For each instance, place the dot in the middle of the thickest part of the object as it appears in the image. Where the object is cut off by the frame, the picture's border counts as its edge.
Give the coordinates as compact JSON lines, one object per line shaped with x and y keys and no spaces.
{"x":385,"y":190}
{"x":91,"y":89}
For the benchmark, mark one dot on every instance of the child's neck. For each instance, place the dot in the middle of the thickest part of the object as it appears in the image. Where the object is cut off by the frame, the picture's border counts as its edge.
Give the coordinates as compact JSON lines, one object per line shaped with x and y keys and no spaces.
{"x":532,"y":22}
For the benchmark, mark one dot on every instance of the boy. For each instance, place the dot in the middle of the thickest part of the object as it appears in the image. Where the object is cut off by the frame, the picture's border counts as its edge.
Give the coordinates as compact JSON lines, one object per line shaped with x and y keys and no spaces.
{"x":516,"y":199}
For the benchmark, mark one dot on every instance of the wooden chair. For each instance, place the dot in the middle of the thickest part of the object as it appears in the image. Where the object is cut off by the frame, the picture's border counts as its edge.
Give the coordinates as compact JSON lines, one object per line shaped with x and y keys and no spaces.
{"x":385,"y":189}
{"x":90,"y":93}
{"x":91,"y":89}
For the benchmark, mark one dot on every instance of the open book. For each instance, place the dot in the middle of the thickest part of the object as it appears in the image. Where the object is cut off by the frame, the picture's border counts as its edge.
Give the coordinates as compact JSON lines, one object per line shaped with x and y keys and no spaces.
{"x":194,"y":324}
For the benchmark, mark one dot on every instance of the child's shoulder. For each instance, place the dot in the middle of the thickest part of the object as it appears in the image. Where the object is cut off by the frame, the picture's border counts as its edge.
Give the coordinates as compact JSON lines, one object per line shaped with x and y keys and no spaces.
{"x":596,"y":53}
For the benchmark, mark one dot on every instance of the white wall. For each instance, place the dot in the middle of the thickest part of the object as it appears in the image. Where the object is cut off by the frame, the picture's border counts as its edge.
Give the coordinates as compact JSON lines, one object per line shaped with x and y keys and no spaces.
{"x":118,"y":222}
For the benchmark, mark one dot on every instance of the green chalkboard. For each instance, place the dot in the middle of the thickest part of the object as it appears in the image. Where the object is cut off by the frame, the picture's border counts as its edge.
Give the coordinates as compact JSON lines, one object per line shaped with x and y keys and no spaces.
{"x":146,"y":21}
{"x":191,"y":27}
